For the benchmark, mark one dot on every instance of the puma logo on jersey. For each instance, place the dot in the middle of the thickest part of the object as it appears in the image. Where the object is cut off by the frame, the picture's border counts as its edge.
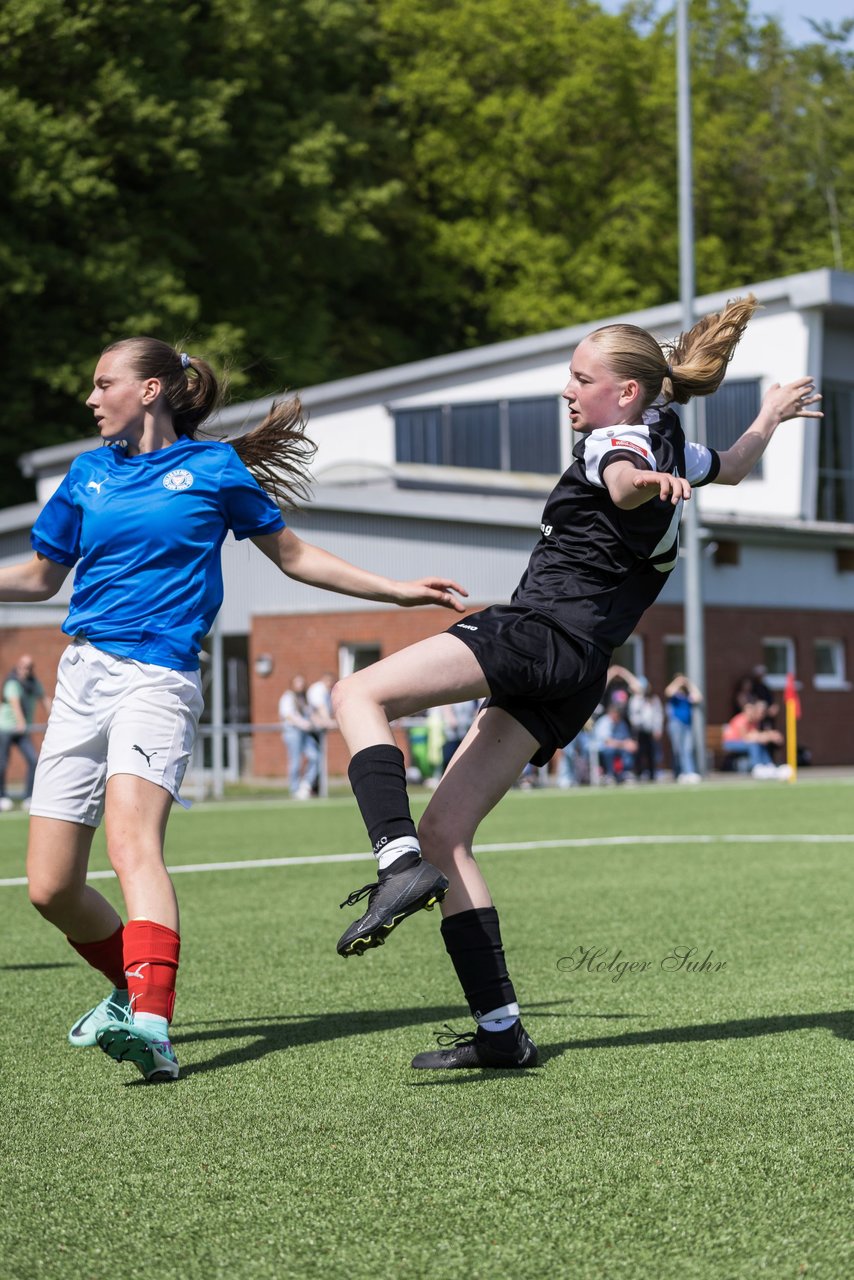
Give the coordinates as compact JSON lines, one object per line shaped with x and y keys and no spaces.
{"x":465,"y":626}
{"x":148,"y":758}
{"x":96,"y":485}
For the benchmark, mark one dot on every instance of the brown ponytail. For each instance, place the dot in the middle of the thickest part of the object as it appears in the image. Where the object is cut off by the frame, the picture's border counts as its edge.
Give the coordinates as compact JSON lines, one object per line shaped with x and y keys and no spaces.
{"x":277,"y":452}
{"x":693,"y":364}
{"x":189,"y":384}
{"x":699,"y":358}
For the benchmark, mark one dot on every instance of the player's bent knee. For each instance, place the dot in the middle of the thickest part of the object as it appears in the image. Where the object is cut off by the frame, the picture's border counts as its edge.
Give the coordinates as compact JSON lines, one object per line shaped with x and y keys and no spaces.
{"x":441,"y":844}
{"x":339,"y":695}
{"x":131,"y":858}
{"x":50,"y":898}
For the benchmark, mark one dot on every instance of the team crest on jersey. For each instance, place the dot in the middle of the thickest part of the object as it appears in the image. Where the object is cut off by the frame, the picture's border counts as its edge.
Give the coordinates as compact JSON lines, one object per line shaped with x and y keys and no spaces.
{"x":177,"y":480}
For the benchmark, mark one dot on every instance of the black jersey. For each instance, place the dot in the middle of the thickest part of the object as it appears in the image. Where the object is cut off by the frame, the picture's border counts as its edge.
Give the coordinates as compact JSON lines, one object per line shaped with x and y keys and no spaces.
{"x":597,"y":568}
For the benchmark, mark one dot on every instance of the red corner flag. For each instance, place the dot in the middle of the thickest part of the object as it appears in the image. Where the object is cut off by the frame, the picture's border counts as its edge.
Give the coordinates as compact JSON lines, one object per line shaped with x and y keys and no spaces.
{"x":790,"y":694}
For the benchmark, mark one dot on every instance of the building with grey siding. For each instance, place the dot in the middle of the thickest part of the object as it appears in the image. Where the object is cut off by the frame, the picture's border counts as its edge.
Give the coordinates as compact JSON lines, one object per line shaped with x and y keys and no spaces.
{"x":442,"y":466}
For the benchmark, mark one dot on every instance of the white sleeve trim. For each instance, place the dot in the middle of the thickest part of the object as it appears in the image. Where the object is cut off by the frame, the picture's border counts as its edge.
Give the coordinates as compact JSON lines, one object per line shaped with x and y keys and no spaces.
{"x":607,"y":444}
{"x":698,"y":462}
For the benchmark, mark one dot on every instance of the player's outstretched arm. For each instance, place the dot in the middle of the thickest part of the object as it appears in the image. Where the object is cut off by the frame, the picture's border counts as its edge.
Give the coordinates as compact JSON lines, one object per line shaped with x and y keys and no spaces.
{"x":779,"y":404}
{"x":305,"y":563}
{"x":631,"y":486}
{"x":35,"y":579}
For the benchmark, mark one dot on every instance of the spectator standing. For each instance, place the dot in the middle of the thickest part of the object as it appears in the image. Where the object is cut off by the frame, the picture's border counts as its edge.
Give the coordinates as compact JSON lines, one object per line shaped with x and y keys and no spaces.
{"x":459,"y":718}
{"x":761,"y":692}
{"x":319,"y":695}
{"x":681,"y":697}
{"x":22,"y":692}
{"x":300,"y":739}
{"x":573,"y":765}
{"x":646,"y":720}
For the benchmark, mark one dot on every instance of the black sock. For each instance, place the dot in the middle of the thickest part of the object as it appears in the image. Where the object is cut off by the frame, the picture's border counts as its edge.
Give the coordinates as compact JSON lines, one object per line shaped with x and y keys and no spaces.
{"x":378,"y":778}
{"x":473,"y":941}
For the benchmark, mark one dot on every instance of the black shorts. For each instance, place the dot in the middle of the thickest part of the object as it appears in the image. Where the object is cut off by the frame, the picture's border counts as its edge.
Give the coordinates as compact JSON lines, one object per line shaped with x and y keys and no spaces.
{"x":549,"y":681}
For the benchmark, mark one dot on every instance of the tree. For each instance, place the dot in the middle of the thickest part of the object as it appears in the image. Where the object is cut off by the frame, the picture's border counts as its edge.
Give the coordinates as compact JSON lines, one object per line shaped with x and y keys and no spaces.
{"x":308,"y":189}
{"x":217,"y":171}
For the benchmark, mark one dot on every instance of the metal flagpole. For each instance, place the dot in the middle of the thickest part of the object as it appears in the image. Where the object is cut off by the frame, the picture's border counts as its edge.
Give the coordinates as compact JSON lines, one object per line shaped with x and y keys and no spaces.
{"x":695,"y":648}
{"x":217,"y":711}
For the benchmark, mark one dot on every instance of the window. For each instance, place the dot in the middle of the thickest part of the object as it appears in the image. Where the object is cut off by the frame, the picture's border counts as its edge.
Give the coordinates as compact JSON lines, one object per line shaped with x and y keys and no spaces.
{"x":355,"y":657}
{"x":497,"y":435}
{"x":835,"y":498}
{"x":729,"y":412}
{"x":630,"y":655}
{"x":778,"y":656}
{"x":674,"y":657}
{"x":474,"y":439}
{"x":534,"y":431}
{"x":829,"y":658}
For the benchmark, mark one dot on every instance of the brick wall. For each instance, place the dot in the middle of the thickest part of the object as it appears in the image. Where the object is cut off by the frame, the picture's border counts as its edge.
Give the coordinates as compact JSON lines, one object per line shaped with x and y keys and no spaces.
{"x":309,"y":645}
{"x":44,"y":644}
{"x":734,"y":646}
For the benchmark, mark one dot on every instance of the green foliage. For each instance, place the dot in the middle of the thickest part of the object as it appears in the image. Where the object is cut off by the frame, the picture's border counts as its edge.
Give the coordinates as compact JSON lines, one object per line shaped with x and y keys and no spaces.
{"x":306,"y":189}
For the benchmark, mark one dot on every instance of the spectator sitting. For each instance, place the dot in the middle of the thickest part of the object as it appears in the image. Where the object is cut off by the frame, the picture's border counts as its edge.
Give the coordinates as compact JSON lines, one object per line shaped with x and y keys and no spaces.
{"x":744,"y":735}
{"x":613,"y":740}
{"x":754,"y":688}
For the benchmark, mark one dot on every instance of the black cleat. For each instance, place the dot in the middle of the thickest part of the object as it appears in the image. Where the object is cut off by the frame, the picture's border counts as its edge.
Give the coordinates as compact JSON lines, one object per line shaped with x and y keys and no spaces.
{"x":407,"y":886}
{"x":474,"y":1049}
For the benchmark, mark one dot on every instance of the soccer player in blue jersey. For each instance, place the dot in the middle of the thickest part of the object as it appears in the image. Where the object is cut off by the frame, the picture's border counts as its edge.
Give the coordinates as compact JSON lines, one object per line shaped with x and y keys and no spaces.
{"x":142,"y":523}
{"x":609,"y":540}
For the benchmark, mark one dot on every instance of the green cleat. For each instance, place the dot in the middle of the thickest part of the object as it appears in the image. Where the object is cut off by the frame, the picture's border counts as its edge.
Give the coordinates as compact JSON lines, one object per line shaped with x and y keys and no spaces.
{"x":113,"y":1008}
{"x":155,"y":1057}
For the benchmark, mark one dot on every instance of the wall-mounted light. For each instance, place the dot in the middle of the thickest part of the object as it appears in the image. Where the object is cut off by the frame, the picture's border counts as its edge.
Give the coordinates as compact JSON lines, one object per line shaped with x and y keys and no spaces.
{"x":263,"y":665}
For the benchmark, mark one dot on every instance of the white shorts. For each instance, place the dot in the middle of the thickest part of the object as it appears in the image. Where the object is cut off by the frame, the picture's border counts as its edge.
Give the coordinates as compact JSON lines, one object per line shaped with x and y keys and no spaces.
{"x":112,"y":715}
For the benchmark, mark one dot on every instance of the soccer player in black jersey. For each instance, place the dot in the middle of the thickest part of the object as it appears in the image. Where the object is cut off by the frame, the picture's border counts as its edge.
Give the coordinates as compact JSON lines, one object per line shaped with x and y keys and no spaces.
{"x":609,"y":539}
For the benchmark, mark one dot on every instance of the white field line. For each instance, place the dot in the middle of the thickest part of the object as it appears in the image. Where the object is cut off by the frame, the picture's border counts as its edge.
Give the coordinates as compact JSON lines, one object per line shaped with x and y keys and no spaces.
{"x":522,"y":846}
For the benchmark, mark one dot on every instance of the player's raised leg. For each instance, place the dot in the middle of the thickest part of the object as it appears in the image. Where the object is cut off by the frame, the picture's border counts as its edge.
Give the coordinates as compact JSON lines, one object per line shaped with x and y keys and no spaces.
{"x":431,"y":673}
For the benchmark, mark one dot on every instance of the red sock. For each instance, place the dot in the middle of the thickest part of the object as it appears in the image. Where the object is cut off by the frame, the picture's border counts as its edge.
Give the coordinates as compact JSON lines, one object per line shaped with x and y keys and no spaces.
{"x":107,"y":956}
{"x":151,"y":966}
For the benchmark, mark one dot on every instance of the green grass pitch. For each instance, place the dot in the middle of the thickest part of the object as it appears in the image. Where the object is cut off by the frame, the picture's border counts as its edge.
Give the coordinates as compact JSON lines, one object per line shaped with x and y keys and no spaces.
{"x":685,"y":1123}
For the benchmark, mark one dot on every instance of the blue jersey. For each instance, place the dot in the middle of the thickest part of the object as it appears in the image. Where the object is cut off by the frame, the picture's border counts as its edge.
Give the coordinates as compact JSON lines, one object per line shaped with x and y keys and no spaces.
{"x":145,"y":533}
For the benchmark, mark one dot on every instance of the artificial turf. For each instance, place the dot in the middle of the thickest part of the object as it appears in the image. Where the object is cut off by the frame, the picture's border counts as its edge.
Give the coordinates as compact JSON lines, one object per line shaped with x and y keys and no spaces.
{"x":683,"y":1124}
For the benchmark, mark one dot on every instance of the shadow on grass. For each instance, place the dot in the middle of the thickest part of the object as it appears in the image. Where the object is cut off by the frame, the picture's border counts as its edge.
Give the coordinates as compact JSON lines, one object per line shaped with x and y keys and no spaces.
{"x":840,"y":1023}
{"x":276,"y":1035}
{"x":28,"y":968}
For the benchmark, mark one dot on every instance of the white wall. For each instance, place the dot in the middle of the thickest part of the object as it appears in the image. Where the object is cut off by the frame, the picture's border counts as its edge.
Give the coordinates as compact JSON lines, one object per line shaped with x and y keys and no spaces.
{"x":776,"y":347}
